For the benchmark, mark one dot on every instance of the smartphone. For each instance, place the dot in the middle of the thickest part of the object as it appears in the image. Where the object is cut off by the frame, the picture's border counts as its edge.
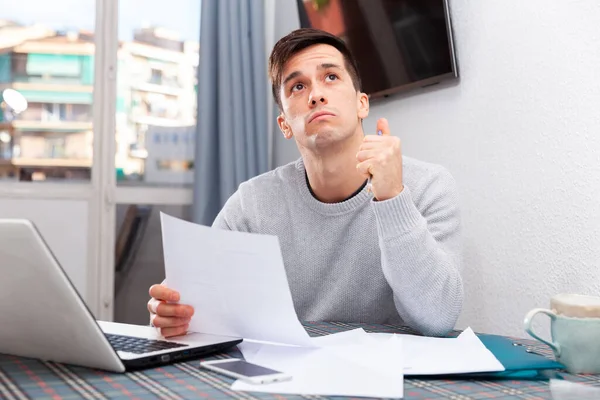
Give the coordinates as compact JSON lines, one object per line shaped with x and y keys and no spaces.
{"x":247,"y":372}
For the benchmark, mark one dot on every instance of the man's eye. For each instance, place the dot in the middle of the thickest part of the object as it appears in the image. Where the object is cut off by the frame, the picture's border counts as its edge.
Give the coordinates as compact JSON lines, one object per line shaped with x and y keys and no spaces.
{"x":297,"y":86}
{"x":331,"y":77}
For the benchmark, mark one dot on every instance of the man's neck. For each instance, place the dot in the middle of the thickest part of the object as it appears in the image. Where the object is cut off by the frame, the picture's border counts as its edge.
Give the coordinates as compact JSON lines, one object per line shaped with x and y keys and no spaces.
{"x":332,"y":175}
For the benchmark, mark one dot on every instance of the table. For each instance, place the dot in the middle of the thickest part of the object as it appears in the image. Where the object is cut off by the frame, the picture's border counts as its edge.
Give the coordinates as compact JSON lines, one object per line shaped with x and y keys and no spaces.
{"x":22,"y":378}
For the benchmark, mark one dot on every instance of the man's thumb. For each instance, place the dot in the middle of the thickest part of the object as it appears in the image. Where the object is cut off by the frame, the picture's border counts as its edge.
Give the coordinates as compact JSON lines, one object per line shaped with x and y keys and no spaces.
{"x":383,"y":126}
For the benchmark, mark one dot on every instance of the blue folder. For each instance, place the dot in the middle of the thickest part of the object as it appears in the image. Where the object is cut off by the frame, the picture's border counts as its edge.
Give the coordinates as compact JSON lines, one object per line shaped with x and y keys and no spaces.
{"x":518,"y":362}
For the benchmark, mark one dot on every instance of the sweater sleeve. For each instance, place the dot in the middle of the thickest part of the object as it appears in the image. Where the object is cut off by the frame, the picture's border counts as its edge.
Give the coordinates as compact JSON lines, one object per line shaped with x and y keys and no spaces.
{"x":233,"y":216}
{"x":421,"y":253}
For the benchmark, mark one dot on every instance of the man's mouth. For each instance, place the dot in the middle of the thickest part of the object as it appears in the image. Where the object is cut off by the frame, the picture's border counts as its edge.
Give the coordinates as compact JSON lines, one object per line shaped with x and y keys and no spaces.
{"x":320,"y":115}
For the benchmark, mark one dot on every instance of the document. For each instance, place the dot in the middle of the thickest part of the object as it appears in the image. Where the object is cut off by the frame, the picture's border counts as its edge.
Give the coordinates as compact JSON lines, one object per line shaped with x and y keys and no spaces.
{"x":235,"y":281}
{"x":344,"y":364}
{"x":440,"y":356}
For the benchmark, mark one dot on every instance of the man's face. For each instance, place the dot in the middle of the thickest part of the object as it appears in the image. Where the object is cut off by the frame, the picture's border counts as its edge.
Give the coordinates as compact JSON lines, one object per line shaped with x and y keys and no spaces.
{"x":320,"y":105}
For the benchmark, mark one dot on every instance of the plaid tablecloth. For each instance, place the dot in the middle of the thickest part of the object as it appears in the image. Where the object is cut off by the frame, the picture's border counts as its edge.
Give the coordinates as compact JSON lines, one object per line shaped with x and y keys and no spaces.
{"x":22,"y":378}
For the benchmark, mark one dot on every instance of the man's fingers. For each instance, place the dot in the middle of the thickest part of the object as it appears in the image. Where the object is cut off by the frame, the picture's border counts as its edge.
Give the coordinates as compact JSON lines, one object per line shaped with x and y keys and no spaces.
{"x":168,"y":322}
{"x":174,"y":310}
{"x":374,"y":140}
{"x":364,"y":155}
{"x":176,"y":331}
{"x":163,"y":309}
{"x":365,"y":168}
{"x":383,"y":126}
{"x":370,"y":144}
{"x":153,"y":305}
{"x":161,"y":292}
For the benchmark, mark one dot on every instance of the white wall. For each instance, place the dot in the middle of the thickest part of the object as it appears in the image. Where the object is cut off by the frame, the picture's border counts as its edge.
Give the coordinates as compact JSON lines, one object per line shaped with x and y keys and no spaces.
{"x":521,"y":134}
{"x":63,"y":225}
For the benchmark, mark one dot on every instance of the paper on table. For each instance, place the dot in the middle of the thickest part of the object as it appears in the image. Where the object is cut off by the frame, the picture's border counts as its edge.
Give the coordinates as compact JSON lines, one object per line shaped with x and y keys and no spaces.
{"x":352,"y":336}
{"x":346,"y":364}
{"x":250,"y":348}
{"x":439,"y":356}
{"x":235,"y":281}
{"x":421,"y":355}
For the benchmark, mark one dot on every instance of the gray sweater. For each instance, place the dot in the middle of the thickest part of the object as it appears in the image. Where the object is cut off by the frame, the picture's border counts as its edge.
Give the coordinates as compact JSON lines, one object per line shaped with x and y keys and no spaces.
{"x":394,"y":261}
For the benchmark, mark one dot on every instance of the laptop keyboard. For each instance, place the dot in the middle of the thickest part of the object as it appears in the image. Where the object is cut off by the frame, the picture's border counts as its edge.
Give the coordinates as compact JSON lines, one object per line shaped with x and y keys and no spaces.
{"x":139,"y":345}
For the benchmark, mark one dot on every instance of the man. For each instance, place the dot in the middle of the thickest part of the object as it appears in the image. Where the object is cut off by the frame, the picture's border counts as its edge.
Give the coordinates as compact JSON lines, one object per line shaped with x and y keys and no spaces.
{"x":386,"y":255}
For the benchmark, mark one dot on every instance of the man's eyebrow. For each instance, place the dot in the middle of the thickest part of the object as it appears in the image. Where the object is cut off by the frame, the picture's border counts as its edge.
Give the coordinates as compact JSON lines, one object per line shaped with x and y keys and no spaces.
{"x":291,"y":76}
{"x":328,"y":65}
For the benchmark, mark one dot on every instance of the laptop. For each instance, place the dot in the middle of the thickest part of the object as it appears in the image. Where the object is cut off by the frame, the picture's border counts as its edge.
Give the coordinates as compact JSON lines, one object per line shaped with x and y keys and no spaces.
{"x":44,"y":317}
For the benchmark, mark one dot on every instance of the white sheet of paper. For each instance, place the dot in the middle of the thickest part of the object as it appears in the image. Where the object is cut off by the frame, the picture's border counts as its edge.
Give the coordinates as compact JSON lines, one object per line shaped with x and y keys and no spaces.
{"x":250,"y":348}
{"x":435,"y":356}
{"x":235,"y":281}
{"x":345,"y":364}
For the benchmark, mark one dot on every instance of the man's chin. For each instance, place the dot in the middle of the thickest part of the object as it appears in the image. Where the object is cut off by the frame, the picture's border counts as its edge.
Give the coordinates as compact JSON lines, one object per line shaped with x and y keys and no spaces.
{"x":324,"y":139}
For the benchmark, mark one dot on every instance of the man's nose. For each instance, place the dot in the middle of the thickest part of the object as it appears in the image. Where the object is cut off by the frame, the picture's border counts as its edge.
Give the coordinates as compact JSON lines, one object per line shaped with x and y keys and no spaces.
{"x":316,"y":98}
{"x":321,"y":100}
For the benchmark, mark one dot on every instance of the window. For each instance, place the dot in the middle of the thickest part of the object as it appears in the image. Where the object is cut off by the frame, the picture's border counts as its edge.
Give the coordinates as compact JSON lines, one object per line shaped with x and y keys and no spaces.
{"x":51,"y":63}
{"x":156,"y":93}
{"x":48,"y":55}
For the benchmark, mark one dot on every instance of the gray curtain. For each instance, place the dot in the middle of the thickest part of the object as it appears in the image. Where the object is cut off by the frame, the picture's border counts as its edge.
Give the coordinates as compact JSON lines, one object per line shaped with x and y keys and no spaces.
{"x":232,"y":103}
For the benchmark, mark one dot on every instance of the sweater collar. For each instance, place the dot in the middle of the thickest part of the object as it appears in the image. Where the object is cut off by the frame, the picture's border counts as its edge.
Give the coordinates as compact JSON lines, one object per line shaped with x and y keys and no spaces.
{"x":360,"y":198}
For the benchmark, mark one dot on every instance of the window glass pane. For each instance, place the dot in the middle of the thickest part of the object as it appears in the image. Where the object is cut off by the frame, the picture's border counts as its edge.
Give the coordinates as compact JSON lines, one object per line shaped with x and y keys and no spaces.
{"x":47,"y":58}
{"x":156,"y":92}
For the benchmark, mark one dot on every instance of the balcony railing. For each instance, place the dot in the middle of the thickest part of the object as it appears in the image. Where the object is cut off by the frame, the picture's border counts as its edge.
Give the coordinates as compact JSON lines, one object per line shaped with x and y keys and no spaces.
{"x":51,"y":80}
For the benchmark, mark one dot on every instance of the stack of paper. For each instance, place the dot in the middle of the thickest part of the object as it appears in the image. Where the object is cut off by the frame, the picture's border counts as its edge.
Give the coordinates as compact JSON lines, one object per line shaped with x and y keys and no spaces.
{"x":356,"y":363}
{"x":237,"y":284}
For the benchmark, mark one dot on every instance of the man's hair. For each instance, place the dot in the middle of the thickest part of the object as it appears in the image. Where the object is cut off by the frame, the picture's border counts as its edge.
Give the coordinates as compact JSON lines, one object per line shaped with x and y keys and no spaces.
{"x":299,"y":40}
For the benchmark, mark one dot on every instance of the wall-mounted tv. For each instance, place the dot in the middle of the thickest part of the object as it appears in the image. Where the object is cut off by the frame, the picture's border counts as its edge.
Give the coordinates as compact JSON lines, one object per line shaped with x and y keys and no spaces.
{"x":399,"y":44}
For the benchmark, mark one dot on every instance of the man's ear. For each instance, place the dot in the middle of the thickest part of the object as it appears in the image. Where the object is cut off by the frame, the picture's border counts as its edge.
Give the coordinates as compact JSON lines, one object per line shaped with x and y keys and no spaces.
{"x":363,"y":105}
{"x":284,"y":127}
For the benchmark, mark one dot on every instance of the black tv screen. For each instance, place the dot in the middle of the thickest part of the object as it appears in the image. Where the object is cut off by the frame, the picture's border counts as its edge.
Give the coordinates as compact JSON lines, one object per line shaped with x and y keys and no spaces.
{"x":398,"y":44}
